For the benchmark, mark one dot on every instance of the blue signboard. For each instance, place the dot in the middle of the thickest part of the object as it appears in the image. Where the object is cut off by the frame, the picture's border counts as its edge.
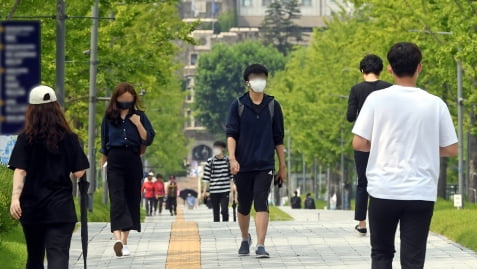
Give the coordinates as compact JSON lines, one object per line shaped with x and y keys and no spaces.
{"x":19,"y":71}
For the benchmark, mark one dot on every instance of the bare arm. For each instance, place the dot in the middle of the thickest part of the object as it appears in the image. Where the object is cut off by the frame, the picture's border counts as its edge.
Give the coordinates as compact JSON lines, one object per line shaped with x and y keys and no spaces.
{"x":79,"y":174}
{"x":449,"y":151}
{"x":231,"y":146}
{"x":361,"y":144}
{"x":282,"y":168}
{"x":18,"y":183}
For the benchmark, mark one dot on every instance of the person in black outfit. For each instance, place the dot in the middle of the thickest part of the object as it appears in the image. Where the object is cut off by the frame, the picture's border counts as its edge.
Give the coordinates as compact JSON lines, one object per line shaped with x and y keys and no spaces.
{"x":45,"y":154}
{"x":125,"y":132}
{"x":172,"y":190}
{"x":309,"y":202}
{"x":371,"y":67}
{"x":295,"y":201}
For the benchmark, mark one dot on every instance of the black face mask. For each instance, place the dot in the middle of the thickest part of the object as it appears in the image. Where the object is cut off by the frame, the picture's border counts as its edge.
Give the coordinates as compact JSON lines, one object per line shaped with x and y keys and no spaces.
{"x":125,"y":105}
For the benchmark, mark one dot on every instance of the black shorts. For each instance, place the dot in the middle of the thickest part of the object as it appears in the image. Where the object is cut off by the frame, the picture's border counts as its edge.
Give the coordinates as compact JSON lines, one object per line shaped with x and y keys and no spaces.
{"x":253,"y":187}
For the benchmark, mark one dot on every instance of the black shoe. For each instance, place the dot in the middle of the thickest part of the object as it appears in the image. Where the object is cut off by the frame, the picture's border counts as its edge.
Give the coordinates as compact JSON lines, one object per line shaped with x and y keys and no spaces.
{"x":361,"y":231}
{"x":244,"y":249}
{"x":261,"y":253}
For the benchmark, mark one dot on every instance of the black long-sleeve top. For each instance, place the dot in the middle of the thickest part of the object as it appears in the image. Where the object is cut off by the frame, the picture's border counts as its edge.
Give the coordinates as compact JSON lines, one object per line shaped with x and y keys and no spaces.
{"x":125,"y":134}
{"x":358,"y":95}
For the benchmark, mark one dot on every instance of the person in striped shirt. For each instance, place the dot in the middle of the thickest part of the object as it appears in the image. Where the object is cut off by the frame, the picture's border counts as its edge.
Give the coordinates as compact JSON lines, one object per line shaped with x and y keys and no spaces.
{"x":217,"y":178}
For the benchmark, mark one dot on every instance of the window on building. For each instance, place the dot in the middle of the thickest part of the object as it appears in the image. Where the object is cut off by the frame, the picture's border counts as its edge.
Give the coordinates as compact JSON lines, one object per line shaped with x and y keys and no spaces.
{"x":246,"y":3}
{"x":266,"y":3}
{"x":193,"y":58}
{"x":189,"y":119}
{"x":306,"y":3}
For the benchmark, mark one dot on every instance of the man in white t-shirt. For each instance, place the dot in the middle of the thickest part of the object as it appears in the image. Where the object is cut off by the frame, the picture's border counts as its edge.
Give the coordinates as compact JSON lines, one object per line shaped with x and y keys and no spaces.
{"x":406,"y":130}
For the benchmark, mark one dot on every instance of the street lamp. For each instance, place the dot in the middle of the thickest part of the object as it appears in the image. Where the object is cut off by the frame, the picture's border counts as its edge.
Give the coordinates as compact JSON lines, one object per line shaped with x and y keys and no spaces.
{"x":460,"y":104}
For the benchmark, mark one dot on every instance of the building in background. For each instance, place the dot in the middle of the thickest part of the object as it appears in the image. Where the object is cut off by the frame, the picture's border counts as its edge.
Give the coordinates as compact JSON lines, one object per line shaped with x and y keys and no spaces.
{"x":248,"y":15}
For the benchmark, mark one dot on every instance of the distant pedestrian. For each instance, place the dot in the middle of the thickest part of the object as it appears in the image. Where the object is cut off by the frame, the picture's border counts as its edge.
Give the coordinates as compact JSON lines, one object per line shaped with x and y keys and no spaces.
{"x":172,"y":191}
{"x":218,"y":178}
{"x":370,"y":66}
{"x":309,"y":202}
{"x":45,"y":154}
{"x":159,"y":201}
{"x":190,"y":200}
{"x":149,"y":190}
{"x":406,"y":130}
{"x":295,"y":201}
{"x":125,"y":132}
{"x":255,"y":131}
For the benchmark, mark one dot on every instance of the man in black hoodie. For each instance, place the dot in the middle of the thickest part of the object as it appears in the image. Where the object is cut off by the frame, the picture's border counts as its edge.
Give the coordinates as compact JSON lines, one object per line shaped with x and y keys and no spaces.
{"x":254,"y":131}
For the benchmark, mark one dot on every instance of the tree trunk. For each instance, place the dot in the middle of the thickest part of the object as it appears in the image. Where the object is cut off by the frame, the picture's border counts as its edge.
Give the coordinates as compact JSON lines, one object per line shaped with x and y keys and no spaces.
{"x":472,"y":188}
{"x":442,"y":184}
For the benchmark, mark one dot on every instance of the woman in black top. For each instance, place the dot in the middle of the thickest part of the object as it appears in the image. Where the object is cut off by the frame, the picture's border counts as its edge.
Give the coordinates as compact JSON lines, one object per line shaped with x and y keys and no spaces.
{"x":44,"y":156}
{"x":125,"y":132}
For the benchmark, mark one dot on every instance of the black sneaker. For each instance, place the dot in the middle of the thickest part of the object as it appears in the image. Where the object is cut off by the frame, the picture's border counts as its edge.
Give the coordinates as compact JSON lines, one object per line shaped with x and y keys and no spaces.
{"x":244,"y":249}
{"x":261,"y":253}
{"x":361,"y":231}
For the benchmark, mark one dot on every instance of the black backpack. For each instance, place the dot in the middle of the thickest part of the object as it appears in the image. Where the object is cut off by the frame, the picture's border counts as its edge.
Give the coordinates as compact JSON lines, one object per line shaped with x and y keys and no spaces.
{"x":271,"y":108}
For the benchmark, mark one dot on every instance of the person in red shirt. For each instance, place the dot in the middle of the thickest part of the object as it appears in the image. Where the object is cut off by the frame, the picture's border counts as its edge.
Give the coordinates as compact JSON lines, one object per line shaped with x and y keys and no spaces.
{"x":160,"y":193}
{"x":149,"y":191}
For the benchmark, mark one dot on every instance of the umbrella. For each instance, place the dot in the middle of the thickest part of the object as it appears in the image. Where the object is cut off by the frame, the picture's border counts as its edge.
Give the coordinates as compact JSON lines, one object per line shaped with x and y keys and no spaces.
{"x":184,"y":193}
{"x":234,"y":207}
{"x":83,"y":187}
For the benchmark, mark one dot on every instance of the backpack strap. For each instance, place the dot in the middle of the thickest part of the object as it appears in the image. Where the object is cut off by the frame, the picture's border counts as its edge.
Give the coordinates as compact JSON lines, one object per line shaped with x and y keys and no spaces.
{"x":241,"y":107}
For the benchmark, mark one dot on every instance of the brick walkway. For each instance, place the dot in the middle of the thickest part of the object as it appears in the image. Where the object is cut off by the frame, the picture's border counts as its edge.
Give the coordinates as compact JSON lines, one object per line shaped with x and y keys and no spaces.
{"x":314,"y":239}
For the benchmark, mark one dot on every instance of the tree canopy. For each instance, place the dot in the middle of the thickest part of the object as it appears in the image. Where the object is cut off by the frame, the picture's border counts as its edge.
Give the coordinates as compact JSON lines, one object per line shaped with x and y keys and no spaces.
{"x":219,"y":79}
{"x":138,"y":46}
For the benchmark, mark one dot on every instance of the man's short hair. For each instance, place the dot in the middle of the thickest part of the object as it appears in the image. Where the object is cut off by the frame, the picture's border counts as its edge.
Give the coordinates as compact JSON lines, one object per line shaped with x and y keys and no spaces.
{"x":371,"y":64}
{"x":254,"y":69}
{"x":404,"y":57}
{"x":159,"y":176}
{"x":219,"y":144}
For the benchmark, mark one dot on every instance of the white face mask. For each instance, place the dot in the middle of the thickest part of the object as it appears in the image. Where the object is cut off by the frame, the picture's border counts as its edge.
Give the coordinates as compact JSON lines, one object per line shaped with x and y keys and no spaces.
{"x":258,"y":85}
{"x":216,"y":151}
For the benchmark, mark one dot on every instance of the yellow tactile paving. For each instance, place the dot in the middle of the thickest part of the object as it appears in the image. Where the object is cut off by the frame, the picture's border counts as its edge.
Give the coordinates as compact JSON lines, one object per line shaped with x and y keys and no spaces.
{"x":184,"y":245}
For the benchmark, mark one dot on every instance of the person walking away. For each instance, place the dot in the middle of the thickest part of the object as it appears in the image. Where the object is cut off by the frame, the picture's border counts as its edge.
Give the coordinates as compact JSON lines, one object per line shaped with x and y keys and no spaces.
{"x":218,"y":178}
{"x":309,"y":202}
{"x":160,"y":193}
{"x":406,"y":130}
{"x":45,"y":154}
{"x":254,"y":131}
{"x":190,"y":199}
{"x":149,"y":191}
{"x":172,"y":192}
{"x":370,"y":66}
{"x":295,"y":201}
{"x":125,"y":131}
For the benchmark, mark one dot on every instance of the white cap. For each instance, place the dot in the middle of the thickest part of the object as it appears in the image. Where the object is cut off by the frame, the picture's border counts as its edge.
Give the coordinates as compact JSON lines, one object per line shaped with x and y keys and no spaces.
{"x":41,"y":95}
{"x":150,"y":174}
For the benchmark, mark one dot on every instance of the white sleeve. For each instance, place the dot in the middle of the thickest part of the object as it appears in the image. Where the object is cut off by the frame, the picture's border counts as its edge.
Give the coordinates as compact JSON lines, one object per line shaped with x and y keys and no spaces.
{"x":365,"y":121}
{"x":447,"y":135}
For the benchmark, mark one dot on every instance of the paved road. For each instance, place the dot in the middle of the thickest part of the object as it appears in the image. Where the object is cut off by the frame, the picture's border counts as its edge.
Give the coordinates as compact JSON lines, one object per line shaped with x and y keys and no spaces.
{"x":314,"y":239}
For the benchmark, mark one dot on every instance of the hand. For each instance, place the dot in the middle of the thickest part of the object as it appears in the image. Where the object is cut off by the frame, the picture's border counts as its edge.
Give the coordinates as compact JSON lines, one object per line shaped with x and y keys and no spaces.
{"x":136,"y":119}
{"x":234,"y":167}
{"x":204,"y":194}
{"x":282,"y":175}
{"x":15,"y":209}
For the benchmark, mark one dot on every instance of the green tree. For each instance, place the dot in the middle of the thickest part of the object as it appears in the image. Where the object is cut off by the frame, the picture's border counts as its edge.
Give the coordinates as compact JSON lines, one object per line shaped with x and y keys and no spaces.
{"x":138,"y":46}
{"x":278,"y":27}
{"x":219,"y":79}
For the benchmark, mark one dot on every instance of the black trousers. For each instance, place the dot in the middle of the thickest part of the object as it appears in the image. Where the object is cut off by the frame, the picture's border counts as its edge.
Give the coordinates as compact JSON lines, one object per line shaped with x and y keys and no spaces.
{"x":220,"y":205}
{"x":172,"y":205}
{"x":54,"y":238}
{"x":414,"y":218}
{"x":124,"y":183}
{"x":361,"y":207}
{"x":158,"y":202}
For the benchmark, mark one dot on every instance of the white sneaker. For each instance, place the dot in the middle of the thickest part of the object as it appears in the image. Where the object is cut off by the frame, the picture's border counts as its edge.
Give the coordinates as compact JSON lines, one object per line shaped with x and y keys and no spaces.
{"x":118,"y":248}
{"x":126,"y":251}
